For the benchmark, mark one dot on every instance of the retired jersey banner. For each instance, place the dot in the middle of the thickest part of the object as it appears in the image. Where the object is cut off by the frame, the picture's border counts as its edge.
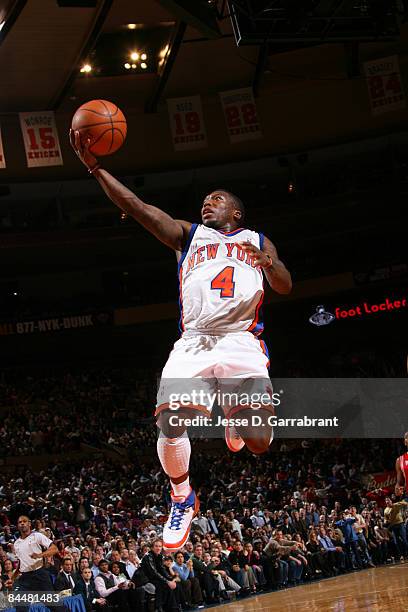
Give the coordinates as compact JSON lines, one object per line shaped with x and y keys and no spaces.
{"x":384,"y":85}
{"x":187,"y":123}
{"x":2,"y":158}
{"x":40,"y":139}
{"x":240,"y":115}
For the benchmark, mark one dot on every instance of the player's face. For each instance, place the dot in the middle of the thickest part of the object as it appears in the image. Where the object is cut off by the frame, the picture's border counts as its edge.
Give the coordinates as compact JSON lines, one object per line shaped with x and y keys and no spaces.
{"x":218,"y":210}
{"x":23,"y":525}
{"x":406,"y":439}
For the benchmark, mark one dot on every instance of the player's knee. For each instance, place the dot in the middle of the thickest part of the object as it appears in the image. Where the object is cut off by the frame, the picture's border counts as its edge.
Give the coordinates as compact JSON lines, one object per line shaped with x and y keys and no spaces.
{"x":257,"y":435}
{"x":257,"y":446}
{"x":171,"y":422}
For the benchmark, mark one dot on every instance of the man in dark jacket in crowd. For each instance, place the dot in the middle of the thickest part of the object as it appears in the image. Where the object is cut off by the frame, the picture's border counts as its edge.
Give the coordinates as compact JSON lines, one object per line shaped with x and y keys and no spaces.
{"x":85,"y":586}
{"x":64,"y":579}
{"x":152,"y":566}
{"x":208,"y":582}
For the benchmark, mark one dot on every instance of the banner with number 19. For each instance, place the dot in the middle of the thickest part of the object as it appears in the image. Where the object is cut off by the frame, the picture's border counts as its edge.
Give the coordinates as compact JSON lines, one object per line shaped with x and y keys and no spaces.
{"x":187,"y":123}
{"x":40,"y":139}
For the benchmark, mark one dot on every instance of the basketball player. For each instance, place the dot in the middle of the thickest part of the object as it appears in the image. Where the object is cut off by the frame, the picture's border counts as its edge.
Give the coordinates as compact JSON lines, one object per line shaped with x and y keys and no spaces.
{"x":401,"y":467}
{"x":221,"y":270}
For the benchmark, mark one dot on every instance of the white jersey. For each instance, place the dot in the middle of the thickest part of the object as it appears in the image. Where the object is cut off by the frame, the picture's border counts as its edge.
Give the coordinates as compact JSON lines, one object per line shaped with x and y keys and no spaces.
{"x":25,"y":547}
{"x":220,"y":289}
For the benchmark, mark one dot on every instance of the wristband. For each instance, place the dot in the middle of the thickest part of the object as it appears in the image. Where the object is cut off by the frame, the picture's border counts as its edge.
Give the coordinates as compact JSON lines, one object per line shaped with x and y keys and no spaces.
{"x":92,"y":170}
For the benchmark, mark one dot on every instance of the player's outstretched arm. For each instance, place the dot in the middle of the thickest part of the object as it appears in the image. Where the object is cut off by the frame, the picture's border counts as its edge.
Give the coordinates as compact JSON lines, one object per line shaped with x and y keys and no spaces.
{"x":171,"y":232}
{"x":400,"y":478}
{"x":274,"y":269}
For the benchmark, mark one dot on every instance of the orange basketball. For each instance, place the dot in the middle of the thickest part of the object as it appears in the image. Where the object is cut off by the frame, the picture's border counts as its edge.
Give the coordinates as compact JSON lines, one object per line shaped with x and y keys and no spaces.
{"x":104,"y":123}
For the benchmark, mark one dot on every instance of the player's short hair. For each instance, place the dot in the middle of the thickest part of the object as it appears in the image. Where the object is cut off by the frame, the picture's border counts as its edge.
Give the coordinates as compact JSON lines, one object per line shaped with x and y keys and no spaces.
{"x":24,"y":516}
{"x":239,"y":205}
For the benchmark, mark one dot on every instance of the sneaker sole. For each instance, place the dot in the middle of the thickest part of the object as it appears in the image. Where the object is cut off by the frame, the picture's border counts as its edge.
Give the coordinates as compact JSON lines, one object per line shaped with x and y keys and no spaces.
{"x":232,"y":448}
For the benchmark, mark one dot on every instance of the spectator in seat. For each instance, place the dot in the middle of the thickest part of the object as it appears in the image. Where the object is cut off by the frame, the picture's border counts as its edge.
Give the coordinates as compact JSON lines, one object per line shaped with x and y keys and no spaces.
{"x":393,"y":519}
{"x":335,"y":554}
{"x":189,"y":582}
{"x":208,"y":583}
{"x":217,"y":576}
{"x":82,"y":563}
{"x":353,"y":558}
{"x":110,"y":588}
{"x":96,"y":559}
{"x":85,"y":586}
{"x":200,"y":523}
{"x":152,"y":566}
{"x":241,"y":571}
{"x":253,"y":560}
{"x":135,"y":595}
{"x":318,"y":561}
{"x":65,"y":579}
{"x":212,"y":523}
{"x":295,"y":565}
{"x":223,"y":569}
{"x":173,"y":575}
{"x":129,"y":566}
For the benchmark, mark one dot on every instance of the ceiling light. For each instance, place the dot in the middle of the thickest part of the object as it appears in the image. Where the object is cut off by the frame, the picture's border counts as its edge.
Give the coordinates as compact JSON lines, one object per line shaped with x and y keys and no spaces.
{"x":143,"y":65}
{"x":131,"y":26}
{"x":127,"y":66}
{"x":134,"y":66}
{"x":86,"y":68}
{"x":164,"y":51}
{"x":134,"y":56}
{"x":143,"y":56}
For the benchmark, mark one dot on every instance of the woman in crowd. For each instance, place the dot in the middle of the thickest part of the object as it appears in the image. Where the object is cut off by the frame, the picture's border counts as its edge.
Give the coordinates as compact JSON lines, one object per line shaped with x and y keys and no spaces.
{"x":8,"y":575}
{"x":317,"y":562}
{"x":253,"y":560}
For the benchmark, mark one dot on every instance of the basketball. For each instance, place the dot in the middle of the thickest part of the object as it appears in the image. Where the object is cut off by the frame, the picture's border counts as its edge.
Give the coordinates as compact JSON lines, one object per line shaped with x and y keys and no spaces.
{"x":104,"y":123}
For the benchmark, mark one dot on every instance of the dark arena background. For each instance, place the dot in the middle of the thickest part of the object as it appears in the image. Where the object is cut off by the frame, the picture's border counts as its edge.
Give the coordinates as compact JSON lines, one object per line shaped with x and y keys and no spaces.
{"x":299,"y":107}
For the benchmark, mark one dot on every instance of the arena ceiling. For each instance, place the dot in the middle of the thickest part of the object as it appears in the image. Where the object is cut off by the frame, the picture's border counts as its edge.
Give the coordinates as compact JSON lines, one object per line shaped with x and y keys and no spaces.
{"x":43,"y":45}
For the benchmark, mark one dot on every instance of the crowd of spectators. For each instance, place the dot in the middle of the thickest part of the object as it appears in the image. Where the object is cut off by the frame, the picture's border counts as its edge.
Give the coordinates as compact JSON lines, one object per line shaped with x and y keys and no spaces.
{"x":298,"y":513}
{"x":107,"y":407}
{"x":55,"y":413}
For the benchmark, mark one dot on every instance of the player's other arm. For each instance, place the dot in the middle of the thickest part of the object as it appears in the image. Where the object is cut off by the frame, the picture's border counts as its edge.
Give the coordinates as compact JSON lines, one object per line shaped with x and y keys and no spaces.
{"x":400,"y":478}
{"x":50,"y":552}
{"x":171,"y":232}
{"x":274,"y":269}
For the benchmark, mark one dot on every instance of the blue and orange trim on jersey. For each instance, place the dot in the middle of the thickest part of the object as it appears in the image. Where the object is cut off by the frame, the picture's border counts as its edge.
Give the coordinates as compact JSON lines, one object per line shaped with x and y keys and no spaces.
{"x":257,"y":325}
{"x":233,"y":233}
{"x":180,"y":272}
{"x":265,"y":351}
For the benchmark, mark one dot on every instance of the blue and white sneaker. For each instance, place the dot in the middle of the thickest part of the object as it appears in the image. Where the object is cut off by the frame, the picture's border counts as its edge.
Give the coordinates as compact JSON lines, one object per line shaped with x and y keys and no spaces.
{"x":177,"y":527}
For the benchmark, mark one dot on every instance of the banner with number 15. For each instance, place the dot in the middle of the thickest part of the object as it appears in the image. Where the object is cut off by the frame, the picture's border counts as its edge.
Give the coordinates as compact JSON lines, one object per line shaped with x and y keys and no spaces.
{"x":40,"y":139}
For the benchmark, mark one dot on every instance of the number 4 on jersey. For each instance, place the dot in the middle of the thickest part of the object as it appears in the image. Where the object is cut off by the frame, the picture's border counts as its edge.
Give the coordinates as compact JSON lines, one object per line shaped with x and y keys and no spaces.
{"x":224,"y":282}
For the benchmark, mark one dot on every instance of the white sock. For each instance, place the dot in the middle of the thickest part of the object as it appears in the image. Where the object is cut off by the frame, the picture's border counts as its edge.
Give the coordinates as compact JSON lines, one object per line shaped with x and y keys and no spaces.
{"x":182,"y":489}
{"x":174,"y":455}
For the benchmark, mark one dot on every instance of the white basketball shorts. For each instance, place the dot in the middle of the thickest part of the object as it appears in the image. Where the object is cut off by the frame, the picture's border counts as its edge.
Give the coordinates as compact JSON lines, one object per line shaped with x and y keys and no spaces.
{"x":229,"y":369}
